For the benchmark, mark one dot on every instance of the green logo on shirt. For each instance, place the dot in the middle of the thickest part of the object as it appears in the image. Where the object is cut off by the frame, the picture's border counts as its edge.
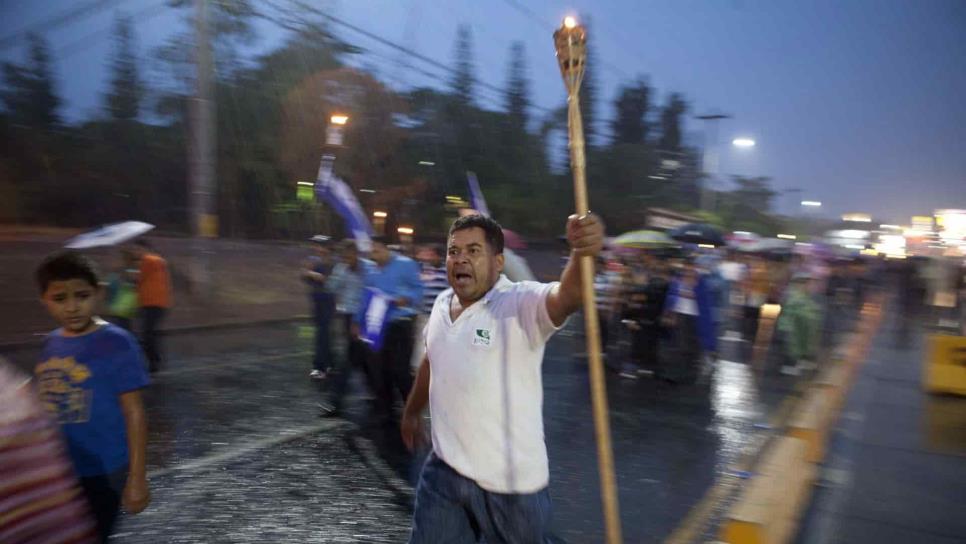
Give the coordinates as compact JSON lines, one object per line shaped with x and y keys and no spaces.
{"x":482,"y":337}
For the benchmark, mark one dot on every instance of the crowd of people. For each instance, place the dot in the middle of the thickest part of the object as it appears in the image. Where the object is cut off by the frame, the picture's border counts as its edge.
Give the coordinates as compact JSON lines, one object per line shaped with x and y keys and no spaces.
{"x":665,"y":313}
{"x":399,"y":316}
{"x":138,"y":296}
{"x":69,"y":484}
{"x":346,"y":289}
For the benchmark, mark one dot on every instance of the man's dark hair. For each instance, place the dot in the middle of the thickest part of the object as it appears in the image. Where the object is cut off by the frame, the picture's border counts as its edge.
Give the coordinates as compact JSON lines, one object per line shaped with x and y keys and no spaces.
{"x":65,"y":266}
{"x":347,"y":244}
{"x":142,"y":242}
{"x":491,"y":229}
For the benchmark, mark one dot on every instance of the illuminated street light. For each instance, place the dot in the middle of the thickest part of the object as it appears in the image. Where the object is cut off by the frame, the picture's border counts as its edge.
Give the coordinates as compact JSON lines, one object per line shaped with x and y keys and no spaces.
{"x":743,"y":142}
{"x":380,"y":215}
{"x":570,"y":21}
{"x":857,"y":217}
{"x":405,"y":230}
{"x":812,"y":203}
{"x":334,"y":132}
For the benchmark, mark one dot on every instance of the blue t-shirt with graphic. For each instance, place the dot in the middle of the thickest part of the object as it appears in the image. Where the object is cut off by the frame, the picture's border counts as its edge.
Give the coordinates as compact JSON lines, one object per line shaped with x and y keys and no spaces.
{"x":80,"y":380}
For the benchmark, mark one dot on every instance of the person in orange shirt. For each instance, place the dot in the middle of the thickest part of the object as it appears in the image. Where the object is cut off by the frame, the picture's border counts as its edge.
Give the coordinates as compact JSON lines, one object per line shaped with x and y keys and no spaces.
{"x":154,"y":299}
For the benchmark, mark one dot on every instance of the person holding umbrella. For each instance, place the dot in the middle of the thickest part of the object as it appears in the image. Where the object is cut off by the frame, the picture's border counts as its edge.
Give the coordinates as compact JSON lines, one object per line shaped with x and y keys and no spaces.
{"x":121,"y":294}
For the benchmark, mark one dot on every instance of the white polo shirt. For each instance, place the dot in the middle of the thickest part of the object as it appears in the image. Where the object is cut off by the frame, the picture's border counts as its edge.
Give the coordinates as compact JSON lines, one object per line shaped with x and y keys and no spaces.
{"x":486,"y":389}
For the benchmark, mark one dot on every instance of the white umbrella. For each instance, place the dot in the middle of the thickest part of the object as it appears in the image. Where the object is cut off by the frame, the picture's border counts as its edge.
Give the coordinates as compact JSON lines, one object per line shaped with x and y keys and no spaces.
{"x":769,"y":245}
{"x":109,"y":235}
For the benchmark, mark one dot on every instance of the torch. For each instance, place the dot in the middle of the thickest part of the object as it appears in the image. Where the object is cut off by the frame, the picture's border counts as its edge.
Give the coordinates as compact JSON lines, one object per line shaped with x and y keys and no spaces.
{"x":570,"y":41}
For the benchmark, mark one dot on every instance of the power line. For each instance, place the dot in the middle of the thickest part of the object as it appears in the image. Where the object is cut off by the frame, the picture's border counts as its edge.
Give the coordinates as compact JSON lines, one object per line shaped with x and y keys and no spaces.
{"x":388,"y":43}
{"x":89,"y":40}
{"x":536,"y":19}
{"x":71,"y":16}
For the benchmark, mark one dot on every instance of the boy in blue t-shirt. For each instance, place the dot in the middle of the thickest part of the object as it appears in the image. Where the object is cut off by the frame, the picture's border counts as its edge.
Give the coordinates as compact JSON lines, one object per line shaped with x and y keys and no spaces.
{"x":89,"y":378}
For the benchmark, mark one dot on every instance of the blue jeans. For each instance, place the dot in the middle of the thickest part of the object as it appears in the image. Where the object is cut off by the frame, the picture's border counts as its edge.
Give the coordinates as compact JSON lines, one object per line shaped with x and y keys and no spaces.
{"x":451,"y":508}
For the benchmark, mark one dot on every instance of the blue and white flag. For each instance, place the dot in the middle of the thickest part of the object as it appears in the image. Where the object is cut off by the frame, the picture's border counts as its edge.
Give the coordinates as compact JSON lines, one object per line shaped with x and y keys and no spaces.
{"x":515,"y":267}
{"x":338,"y":194}
{"x":376,"y":316}
{"x":476,"y":195}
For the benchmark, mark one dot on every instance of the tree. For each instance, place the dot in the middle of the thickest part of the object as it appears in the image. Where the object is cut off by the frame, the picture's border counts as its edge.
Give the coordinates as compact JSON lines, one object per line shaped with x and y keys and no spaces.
{"x":229,"y":28}
{"x":29,"y":96}
{"x":671,"y":116}
{"x":126,"y":90}
{"x":748,"y":206}
{"x":463,"y":80}
{"x":756,"y":192}
{"x":630,"y":119}
{"x":517,"y":88}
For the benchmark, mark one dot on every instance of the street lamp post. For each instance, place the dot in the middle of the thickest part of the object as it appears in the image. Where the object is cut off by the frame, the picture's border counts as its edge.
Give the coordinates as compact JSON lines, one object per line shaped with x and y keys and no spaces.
{"x":793,"y":192}
{"x":709,"y":155}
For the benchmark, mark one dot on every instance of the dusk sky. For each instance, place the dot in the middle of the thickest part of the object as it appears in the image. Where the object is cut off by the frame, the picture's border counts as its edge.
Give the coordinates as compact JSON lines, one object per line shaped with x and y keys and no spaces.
{"x":860,"y":104}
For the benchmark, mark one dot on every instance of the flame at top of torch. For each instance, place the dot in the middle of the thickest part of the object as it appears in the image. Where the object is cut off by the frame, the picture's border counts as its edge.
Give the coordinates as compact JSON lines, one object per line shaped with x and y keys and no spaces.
{"x":570,"y":41}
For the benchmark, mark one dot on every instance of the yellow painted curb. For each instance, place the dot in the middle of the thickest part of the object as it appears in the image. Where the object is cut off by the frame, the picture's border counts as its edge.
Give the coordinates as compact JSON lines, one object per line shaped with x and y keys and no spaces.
{"x":771,"y":503}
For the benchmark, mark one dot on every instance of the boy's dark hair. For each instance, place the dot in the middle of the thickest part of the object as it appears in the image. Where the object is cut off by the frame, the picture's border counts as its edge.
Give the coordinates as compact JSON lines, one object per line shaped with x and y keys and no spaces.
{"x":491,"y":229}
{"x":64,"y":266}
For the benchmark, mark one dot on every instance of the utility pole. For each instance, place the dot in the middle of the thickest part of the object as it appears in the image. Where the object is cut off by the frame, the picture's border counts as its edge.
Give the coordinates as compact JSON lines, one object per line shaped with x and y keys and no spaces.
{"x":204,"y":220}
{"x":709,"y":155}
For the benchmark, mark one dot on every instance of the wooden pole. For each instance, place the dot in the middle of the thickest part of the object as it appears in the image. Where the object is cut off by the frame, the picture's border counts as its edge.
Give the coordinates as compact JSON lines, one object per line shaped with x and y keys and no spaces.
{"x":570,"y":41}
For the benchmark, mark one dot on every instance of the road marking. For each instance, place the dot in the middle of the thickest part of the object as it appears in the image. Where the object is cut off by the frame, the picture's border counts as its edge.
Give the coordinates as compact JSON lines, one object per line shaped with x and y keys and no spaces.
{"x":199,"y":365}
{"x":255,"y":445}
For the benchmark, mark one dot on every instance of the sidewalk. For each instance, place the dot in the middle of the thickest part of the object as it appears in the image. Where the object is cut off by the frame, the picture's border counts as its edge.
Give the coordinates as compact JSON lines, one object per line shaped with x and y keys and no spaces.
{"x":896,"y":468}
{"x":252,"y":282}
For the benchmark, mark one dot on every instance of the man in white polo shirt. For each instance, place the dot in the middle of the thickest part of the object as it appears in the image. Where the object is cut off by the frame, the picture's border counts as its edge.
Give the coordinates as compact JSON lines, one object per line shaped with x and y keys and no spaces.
{"x":487,"y":475}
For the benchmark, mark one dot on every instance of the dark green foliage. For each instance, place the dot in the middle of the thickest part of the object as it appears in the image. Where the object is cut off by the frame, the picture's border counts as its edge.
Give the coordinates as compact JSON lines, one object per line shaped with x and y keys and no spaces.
{"x":271,"y":114}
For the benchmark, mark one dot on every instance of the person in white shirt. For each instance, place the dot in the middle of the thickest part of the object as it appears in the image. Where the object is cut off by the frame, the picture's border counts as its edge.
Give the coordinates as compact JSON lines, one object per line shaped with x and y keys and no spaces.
{"x":488,"y":472}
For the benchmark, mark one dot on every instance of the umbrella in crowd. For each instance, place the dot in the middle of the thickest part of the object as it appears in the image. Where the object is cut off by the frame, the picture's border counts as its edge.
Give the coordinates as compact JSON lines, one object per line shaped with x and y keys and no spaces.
{"x":698,"y":233}
{"x":775,"y":246}
{"x":109,"y":235}
{"x":643,"y":239}
{"x":740,"y":240}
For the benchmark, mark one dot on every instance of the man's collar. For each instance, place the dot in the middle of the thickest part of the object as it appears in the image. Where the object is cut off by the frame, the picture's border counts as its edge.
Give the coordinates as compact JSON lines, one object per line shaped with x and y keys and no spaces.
{"x":500,"y":284}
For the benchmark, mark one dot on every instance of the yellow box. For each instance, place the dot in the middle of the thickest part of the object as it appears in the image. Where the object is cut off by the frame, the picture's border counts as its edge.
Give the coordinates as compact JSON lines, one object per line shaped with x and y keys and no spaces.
{"x":945,"y":368}
{"x":209,"y":225}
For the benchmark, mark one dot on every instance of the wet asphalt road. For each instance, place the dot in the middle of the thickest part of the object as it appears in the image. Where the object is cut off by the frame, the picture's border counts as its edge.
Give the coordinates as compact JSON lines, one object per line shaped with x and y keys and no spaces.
{"x":238,"y":454}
